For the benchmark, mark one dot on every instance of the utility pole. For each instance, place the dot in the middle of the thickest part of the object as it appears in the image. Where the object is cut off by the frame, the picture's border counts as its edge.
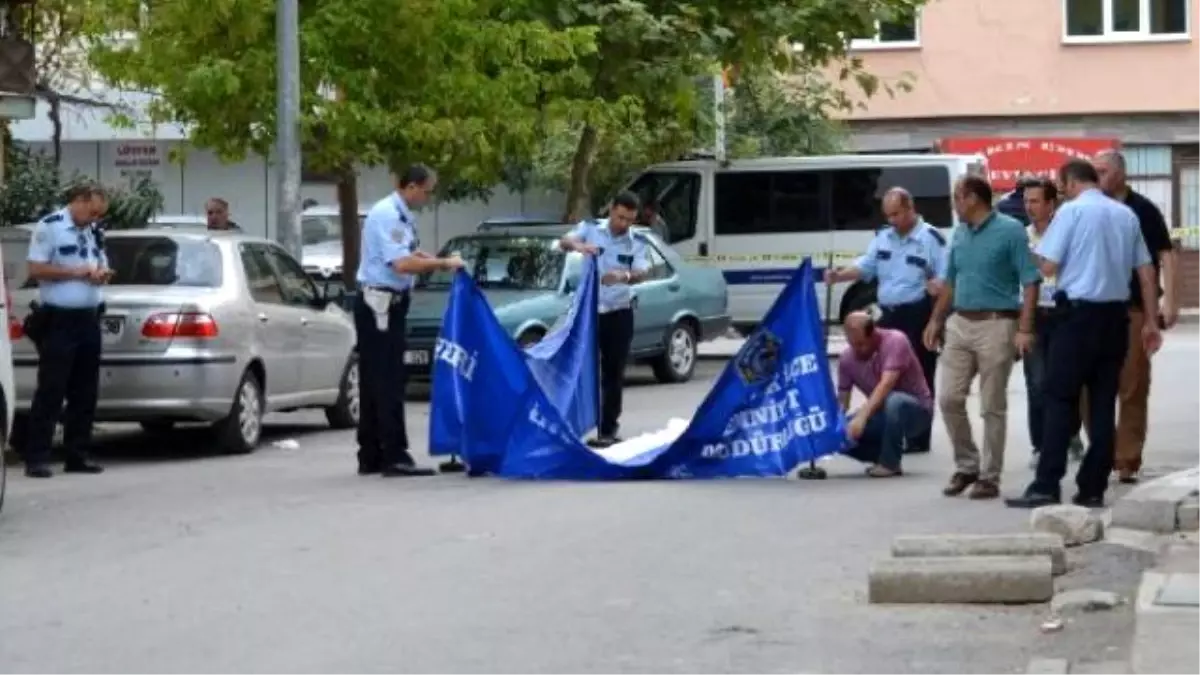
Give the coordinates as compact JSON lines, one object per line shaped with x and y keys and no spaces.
{"x":719,"y":116}
{"x":287,"y":124}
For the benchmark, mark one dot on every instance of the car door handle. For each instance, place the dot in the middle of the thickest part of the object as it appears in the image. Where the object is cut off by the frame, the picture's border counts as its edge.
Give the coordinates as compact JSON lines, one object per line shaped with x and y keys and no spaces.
{"x":673,"y":287}
{"x":263,"y":318}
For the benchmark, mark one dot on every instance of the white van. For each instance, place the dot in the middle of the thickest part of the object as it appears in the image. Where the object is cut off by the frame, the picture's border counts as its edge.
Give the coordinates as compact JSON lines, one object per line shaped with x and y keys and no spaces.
{"x":758,"y":218}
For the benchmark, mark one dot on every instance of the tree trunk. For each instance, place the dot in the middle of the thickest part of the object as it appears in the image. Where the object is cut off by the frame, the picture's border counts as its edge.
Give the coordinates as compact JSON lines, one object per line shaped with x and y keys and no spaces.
{"x":579,"y":196}
{"x":347,"y":196}
{"x":56,"y":133}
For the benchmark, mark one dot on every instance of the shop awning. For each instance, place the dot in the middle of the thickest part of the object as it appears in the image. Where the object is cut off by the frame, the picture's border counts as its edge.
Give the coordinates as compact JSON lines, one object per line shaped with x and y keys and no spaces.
{"x":1008,"y":158}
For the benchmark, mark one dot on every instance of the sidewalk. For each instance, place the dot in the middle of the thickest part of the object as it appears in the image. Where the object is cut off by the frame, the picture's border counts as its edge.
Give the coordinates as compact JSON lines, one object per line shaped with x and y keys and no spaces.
{"x":1168,"y":601}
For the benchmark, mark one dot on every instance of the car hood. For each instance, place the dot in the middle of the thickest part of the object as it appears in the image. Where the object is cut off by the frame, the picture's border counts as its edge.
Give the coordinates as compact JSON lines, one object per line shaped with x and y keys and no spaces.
{"x":429,"y":305}
{"x":326,"y":255}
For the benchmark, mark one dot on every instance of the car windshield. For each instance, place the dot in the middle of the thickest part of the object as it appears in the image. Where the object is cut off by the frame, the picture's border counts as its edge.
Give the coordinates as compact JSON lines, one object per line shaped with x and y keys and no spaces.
{"x":315,"y":229}
{"x":522,"y":263}
{"x":163,"y":261}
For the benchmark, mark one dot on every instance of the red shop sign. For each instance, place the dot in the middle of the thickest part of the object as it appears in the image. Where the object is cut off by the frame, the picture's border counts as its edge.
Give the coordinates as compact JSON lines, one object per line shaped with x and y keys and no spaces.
{"x":1009,"y":158}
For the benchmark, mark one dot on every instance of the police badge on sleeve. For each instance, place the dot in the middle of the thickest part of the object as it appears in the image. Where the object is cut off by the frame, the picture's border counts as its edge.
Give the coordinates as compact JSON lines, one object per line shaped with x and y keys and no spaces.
{"x":758,"y":359}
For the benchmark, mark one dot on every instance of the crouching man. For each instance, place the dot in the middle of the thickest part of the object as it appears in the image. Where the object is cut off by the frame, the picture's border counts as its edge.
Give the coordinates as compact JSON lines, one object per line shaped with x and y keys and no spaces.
{"x":881,"y":364}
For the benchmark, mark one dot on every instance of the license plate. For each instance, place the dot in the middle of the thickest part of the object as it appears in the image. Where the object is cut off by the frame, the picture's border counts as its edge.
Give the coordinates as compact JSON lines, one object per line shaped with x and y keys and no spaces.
{"x":112,"y":328}
{"x":416,"y":357}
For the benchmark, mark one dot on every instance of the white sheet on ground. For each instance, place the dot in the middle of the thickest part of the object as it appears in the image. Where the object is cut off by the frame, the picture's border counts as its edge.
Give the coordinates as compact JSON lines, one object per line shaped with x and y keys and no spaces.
{"x":628,"y":449}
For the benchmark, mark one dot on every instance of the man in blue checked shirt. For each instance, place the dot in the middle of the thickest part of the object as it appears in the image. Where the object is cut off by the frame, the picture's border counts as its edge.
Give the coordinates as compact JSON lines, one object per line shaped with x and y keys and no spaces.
{"x":390,"y":261}
{"x":906,"y":258}
{"x":622,"y":263}
{"x":66,"y":258}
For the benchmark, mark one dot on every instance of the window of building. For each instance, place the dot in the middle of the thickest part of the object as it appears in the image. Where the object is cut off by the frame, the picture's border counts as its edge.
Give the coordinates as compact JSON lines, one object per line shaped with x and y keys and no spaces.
{"x":1148,"y":169}
{"x":857,"y":195}
{"x":902,"y":33}
{"x":1124,"y":20}
{"x":763,"y":202}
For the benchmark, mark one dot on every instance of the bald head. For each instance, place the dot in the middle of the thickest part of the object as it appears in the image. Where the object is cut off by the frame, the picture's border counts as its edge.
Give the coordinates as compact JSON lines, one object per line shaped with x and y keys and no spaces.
{"x":898,"y":207}
{"x":1110,"y":168}
{"x":860,"y":332}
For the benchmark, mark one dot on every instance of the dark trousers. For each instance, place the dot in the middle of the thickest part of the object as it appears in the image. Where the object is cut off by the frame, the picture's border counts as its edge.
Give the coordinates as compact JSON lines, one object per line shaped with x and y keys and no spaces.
{"x":382,"y":434}
{"x":911,"y":319}
{"x":68,"y":369}
{"x":1034,"y":364}
{"x":615,"y":336}
{"x":901,"y":417}
{"x":1087,"y":350}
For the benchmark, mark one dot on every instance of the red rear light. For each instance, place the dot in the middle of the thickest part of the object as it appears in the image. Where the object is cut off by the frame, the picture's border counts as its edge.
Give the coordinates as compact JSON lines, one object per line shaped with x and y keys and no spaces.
{"x":16,"y":330}
{"x":185,"y":325}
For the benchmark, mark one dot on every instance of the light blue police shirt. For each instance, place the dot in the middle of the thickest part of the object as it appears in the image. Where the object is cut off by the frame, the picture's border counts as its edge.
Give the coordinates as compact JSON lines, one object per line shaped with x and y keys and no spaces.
{"x":1095,"y":241}
{"x":903,"y":263}
{"x":389,"y":233}
{"x":623,"y":252}
{"x":58,"y":241}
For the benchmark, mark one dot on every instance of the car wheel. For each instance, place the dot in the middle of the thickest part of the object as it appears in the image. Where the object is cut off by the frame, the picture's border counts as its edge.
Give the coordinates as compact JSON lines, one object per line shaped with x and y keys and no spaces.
{"x":344,"y":414}
{"x":531,"y":336}
{"x":238,"y":433}
{"x":157,"y":426}
{"x":678,"y":361}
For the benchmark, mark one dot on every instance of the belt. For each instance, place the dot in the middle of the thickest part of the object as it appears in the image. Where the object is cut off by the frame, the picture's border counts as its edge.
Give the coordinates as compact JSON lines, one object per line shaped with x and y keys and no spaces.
{"x":905,"y":305}
{"x":987,"y":314}
{"x":73,"y":311}
{"x":385,"y":289}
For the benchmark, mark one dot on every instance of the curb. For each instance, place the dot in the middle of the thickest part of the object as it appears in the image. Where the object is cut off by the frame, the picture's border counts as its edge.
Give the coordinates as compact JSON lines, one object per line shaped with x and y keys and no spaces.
{"x":1164,"y":505}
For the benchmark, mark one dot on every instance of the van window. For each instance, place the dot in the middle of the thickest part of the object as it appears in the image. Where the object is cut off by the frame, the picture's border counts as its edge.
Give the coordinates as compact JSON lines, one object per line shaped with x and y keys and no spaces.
{"x":669,"y":203}
{"x":763,"y":202}
{"x":857,"y":195}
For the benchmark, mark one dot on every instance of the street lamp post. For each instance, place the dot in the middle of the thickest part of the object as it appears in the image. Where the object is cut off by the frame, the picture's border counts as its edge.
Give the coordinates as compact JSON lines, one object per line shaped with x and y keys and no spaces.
{"x":287,"y":125}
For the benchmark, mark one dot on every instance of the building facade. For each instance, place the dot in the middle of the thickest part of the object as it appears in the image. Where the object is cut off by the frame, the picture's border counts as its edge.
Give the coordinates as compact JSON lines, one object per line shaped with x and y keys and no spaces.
{"x":1030,"y":83}
{"x":187,"y":177}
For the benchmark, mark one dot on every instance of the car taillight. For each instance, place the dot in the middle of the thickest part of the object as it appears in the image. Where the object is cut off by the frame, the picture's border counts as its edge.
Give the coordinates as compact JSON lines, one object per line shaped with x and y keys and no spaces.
{"x":16,"y":330}
{"x":186,"y":325}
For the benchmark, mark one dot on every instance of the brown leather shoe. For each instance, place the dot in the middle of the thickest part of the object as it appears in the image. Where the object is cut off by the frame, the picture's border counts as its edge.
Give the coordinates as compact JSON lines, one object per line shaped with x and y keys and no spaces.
{"x":984,"y":489}
{"x":958,"y":483}
{"x":1127,"y":476}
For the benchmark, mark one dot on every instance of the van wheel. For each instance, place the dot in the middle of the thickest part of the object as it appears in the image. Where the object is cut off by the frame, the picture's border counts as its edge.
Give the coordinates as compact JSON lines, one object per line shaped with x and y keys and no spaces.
{"x":860,"y":297}
{"x":678,"y":360}
{"x":239,"y":432}
{"x":344,"y":414}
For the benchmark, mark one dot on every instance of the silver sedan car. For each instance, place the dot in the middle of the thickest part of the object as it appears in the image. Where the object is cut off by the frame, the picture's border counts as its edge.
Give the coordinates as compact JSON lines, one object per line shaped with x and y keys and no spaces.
{"x":210,"y":327}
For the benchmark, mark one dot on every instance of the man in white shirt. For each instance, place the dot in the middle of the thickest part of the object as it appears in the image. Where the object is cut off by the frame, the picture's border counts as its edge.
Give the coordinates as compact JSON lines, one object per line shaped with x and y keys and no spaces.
{"x":1041,"y":197}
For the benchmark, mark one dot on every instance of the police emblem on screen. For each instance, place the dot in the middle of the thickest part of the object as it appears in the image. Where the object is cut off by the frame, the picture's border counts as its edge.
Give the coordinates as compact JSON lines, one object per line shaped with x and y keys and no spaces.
{"x":758,"y":359}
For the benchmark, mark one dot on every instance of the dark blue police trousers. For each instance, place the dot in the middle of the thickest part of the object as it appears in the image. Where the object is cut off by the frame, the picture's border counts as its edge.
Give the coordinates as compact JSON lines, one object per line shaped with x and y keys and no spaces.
{"x":68,"y":369}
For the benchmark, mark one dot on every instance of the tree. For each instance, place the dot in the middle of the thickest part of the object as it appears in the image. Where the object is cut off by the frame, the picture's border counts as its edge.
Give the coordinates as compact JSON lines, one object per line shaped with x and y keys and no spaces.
{"x":460,"y":84}
{"x":650,"y":54}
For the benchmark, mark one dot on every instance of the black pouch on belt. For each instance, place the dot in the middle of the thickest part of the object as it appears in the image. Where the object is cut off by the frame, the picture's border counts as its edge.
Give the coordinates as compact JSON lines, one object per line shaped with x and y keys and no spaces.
{"x":35,"y":323}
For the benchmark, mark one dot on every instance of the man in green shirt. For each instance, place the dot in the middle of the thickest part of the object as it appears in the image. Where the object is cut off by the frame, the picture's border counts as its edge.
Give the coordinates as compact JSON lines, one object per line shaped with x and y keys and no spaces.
{"x":991,"y":283}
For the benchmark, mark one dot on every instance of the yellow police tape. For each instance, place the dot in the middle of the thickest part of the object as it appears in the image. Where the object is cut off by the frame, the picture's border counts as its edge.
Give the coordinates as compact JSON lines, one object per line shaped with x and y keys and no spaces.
{"x":1178,"y":233}
{"x":819,"y":258}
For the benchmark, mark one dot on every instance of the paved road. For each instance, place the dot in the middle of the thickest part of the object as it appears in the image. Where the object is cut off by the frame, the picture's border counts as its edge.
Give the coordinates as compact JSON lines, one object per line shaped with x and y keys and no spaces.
{"x":175,"y":560}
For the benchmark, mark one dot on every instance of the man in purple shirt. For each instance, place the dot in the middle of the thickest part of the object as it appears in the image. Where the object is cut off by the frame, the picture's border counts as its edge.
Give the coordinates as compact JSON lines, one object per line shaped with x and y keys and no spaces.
{"x":881,"y":364}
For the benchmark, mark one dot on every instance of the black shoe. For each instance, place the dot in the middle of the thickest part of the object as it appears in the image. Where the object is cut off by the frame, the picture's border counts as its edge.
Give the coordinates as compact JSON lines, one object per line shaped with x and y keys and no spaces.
{"x":603,"y":441}
{"x":1032,"y":500}
{"x":82,"y":466}
{"x":38,"y":471}
{"x":405,"y":471}
{"x":1088,"y":501}
{"x":367,"y":469}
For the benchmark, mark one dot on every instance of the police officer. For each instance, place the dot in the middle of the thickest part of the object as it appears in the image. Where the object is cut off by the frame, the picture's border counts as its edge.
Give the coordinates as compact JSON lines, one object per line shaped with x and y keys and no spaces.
{"x":622,"y":261}
{"x":67,"y":260}
{"x":1092,"y":245}
{"x":907,"y":258}
{"x":389,"y":261}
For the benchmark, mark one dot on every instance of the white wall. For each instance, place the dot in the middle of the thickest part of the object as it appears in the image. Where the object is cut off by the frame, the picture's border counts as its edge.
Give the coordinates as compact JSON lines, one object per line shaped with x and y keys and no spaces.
{"x":249,"y":186}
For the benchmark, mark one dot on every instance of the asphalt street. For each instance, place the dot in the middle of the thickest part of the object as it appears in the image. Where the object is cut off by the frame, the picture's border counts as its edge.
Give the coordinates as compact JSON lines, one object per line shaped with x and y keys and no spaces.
{"x":176,"y":560}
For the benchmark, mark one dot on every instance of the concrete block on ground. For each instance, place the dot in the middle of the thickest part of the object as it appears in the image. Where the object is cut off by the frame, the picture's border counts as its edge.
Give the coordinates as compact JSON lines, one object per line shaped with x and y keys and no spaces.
{"x":1036,"y":544}
{"x":961,"y":579}
{"x":1154,"y":505}
{"x":1075,"y":524}
{"x":1187,"y":516}
{"x":1164,"y":639}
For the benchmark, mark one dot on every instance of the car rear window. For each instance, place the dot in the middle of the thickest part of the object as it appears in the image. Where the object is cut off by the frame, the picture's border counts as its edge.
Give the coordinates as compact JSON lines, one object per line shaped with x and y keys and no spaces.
{"x":163,"y":261}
